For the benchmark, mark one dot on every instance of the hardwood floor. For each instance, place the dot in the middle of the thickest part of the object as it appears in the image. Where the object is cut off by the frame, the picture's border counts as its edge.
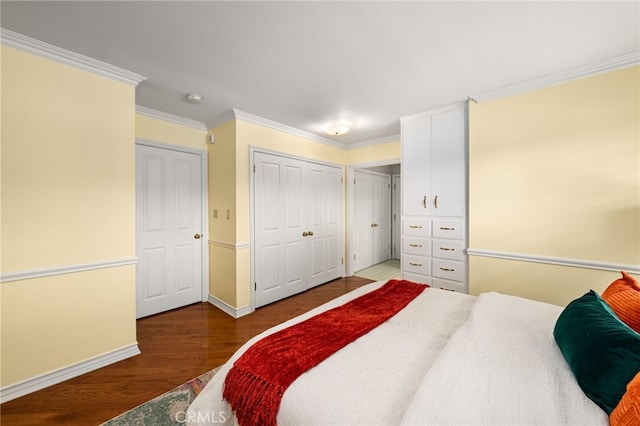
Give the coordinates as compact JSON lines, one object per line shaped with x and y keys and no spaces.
{"x":176,"y":346}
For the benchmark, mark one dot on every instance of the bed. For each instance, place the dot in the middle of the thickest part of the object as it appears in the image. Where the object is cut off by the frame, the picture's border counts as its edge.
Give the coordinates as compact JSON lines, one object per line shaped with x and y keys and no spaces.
{"x":445,"y":359}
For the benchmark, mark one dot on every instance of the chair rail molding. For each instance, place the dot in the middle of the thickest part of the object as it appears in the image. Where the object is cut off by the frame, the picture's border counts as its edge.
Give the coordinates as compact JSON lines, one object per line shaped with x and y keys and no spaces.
{"x":576,"y":263}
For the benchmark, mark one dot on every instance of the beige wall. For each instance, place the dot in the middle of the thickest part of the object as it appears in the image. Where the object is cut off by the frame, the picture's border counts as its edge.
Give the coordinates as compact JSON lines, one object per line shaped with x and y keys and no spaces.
{"x":556,"y":173}
{"x":229,"y":189}
{"x":67,"y":200}
{"x":156,"y":130}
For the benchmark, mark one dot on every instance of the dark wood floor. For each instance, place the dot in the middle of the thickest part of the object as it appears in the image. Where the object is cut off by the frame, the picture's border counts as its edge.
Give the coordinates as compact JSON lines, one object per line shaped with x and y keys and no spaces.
{"x":176,"y":346}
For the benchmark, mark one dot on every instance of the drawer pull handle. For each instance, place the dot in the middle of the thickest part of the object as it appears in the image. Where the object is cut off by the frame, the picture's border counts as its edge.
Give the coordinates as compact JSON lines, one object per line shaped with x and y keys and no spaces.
{"x":445,"y":228}
{"x":435,"y":202}
{"x":424,"y":201}
{"x":415,"y":226}
{"x":415,"y":264}
{"x":447,"y":269}
{"x":415,"y":245}
{"x":447,"y":249}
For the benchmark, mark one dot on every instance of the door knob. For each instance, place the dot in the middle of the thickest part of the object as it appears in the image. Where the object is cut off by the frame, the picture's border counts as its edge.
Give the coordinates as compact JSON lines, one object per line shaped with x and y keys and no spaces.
{"x":197,"y":236}
{"x":305,"y":233}
{"x":310,"y":233}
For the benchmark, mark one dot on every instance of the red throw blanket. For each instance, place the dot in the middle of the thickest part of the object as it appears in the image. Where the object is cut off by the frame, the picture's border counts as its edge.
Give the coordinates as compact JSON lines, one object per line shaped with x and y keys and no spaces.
{"x":258,"y":379}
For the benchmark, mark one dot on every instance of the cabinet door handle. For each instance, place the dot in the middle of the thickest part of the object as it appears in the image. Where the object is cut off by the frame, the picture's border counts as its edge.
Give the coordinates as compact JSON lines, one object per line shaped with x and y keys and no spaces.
{"x":415,"y":264}
{"x":435,"y":202}
{"x":424,"y":201}
{"x":447,"y":269}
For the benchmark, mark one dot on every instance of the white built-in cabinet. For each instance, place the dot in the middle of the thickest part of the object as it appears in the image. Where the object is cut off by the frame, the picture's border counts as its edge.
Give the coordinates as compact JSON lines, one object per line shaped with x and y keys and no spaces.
{"x":434,"y":214}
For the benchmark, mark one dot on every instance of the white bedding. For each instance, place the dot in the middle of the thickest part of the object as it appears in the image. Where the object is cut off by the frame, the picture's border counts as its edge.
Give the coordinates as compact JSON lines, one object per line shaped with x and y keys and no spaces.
{"x":371,"y":380}
{"x":447,"y":358}
{"x":503,"y":367}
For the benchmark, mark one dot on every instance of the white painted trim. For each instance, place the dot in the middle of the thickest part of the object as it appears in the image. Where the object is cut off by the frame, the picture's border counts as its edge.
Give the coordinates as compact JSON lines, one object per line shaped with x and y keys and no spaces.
{"x":67,"y":57}
{"x":576,"y":263}
{"x":165,"y":116}
{"x":607,"y":65}
{"x":232,"y":246}
{"x":228,"y":309}
{"x":226,"y":116}
{"x":445,"y":108}
{"x":42,"y":381}
{"x":68,"y":269}
{"x":372,"y":142}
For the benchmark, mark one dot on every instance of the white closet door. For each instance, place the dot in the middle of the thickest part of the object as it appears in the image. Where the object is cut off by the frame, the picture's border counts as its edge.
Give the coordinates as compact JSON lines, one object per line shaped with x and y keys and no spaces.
{"x":279,"y":224}
{"x":325,"y":218}
{"x":169,"y":228}
{"x":298,"y":226}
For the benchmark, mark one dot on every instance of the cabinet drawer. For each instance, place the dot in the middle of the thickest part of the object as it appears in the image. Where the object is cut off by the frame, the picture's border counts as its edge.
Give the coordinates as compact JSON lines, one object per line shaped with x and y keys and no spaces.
{"x":447,"y":249}
{"x":415,"y":245}
{"x":416,"y":278}
{"x":449,"y":285}
{"x":448,"y":269}
{"x":448,"y":229}
{"x":417,"y":227}
{"x":416,"y":265}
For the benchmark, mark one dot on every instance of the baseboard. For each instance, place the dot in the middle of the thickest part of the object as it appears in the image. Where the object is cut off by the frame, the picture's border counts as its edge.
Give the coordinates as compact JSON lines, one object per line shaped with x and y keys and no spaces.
{"x":42,"y":381}
{"x":228,"y":309}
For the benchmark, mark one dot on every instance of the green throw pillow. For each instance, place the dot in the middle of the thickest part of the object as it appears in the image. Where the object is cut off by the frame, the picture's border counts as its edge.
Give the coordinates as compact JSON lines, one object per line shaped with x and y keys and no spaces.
{"x":602,"y":351}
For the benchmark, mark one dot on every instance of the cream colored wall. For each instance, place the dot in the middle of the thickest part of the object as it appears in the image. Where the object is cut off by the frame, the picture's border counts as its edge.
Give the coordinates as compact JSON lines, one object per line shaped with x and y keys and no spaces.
{"x":157,"y":130}
{"x":229,"y":189}
{"x":556,"y":173}
{"x":67,"y":199}
{"x":374,"y":153}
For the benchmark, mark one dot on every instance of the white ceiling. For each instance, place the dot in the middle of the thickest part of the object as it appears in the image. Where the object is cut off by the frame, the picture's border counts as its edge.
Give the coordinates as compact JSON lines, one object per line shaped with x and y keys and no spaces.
{"x":303,"y":64}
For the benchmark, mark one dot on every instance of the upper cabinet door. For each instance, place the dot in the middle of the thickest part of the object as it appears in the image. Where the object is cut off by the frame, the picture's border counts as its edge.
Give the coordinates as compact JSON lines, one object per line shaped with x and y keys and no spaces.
{"x":448,"y":135}
{"x":416,"y":160}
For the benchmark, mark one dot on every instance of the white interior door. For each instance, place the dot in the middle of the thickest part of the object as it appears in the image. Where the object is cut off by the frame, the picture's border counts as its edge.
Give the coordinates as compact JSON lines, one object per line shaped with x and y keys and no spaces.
{"x":298,"y":226}
{"x":169,"y":229}
{"x":363,"y":187}
{"x":396,"y":230}
{"x":381,"y":218}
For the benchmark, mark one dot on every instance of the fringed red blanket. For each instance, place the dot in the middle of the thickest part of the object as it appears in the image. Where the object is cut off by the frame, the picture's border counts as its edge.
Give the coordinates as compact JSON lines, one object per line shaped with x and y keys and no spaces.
{"x":258,"y":379}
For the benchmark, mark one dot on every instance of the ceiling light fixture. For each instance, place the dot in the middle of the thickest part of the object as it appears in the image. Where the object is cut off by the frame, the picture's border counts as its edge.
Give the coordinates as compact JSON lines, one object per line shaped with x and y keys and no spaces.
{"x":193,"y":98}
{"x":337,"y":129}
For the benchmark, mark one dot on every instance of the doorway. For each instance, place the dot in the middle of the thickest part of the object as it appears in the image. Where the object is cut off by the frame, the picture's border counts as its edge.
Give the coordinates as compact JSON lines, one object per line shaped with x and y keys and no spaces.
{"x":170,"y":227}
{"x":373,"y":197}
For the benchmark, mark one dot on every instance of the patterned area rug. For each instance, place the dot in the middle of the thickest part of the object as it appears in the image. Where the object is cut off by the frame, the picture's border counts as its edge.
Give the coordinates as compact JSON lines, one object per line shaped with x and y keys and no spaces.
{"x":167,"y":409}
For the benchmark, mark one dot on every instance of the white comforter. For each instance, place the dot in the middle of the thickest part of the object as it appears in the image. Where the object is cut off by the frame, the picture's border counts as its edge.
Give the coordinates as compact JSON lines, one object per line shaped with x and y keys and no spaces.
{"x":447,"y":358}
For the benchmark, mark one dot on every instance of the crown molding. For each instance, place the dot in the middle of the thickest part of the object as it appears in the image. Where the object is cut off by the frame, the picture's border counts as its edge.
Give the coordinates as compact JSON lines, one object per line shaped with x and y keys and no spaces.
{"x":165,"y":116}
{"x":588,"y":70}
{"x":377,"y":141}
{"x":27,"y":44}
{"x":265,"y":122}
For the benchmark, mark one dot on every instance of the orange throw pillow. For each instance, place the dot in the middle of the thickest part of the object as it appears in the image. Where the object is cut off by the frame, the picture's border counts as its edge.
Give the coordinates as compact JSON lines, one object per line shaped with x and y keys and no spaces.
{"x":623,"y":296}
{"x":627,"y":412}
